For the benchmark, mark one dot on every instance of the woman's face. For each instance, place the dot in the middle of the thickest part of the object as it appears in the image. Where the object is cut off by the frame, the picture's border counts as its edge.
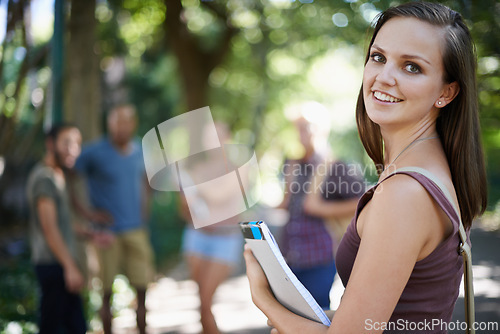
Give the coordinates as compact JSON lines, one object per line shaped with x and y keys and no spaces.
{"x":403,"y":78}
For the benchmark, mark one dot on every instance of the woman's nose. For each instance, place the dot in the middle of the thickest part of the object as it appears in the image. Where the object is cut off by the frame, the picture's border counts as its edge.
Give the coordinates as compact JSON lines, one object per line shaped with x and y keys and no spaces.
{"x":387,"y":75}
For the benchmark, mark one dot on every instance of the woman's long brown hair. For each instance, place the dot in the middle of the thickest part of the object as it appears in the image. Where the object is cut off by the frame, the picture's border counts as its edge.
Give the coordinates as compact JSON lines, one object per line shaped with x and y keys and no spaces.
{"x":458,"y":122}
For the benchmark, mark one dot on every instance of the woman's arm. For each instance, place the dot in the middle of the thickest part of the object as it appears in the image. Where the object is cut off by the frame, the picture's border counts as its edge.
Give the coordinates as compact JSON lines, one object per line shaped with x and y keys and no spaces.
{"x":397,"y":228}
{"x":315,"y":205}
{"x":336,"y":214}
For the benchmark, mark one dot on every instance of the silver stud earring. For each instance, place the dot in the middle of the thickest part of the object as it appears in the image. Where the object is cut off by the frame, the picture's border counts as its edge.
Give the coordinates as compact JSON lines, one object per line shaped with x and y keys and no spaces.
{"x":440,"y":103}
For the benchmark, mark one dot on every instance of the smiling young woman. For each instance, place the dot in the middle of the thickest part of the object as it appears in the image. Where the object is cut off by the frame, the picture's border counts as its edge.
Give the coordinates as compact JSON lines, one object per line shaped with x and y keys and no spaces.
{"x":417,"y":108}
{"x":457,"y":123}
{"x":403,"y":76}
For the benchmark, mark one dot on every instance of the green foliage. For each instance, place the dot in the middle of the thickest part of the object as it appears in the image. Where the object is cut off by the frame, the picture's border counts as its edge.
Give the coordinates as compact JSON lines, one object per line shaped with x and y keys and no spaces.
{"x":277,"y":46}
{"x":24,"y":327}
{"x":18,"y":293}
{"x":154,"y":89}
{"x":485,"y":29}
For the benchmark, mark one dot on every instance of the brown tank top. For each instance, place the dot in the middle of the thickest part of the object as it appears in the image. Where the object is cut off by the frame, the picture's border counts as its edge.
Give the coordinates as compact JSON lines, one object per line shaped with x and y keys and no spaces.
{"x":432,"y":289}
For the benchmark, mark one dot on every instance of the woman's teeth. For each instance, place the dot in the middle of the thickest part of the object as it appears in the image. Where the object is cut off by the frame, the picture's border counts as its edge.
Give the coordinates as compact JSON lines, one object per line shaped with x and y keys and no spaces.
{"x":386,"y":98}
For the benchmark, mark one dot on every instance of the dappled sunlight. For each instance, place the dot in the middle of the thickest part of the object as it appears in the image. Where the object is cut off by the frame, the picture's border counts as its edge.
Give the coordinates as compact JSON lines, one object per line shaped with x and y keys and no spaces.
{"x":337,"y":78}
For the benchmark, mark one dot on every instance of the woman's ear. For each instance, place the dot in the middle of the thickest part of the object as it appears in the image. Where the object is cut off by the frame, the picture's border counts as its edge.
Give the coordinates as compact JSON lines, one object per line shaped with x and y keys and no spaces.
{"x":450,"y":91}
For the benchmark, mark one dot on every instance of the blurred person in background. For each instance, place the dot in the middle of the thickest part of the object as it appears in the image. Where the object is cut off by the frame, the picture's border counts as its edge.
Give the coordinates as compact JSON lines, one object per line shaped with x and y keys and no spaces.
{"x":316,"y":190}
{"x":212,"y":252}
{"x":52,"y":236}
{"x":335,"y":196}
{"x":114,"y":169}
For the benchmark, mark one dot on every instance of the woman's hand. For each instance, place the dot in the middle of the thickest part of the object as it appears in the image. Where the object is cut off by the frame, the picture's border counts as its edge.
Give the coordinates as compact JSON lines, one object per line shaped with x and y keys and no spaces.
{"x":263,"y":298}
{"x":259,"y":286}
{"x":273,"y":329}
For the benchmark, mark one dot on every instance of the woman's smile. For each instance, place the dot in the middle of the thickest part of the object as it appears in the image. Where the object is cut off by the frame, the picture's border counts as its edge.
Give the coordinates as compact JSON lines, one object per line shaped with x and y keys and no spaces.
{"x":385,"y":97}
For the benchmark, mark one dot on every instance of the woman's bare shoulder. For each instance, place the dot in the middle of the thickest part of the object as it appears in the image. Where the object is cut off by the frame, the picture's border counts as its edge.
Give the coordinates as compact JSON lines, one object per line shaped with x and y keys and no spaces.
{"x":400,"y":191}
{"x":399,"y":203}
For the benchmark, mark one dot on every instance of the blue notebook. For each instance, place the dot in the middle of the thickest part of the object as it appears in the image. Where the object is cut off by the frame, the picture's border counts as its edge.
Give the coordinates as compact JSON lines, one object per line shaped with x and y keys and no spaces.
{"x":286,"y":287}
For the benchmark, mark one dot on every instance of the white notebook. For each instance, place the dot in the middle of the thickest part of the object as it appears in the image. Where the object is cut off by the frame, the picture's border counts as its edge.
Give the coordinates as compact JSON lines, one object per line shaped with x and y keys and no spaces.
{"x":286,"y":287}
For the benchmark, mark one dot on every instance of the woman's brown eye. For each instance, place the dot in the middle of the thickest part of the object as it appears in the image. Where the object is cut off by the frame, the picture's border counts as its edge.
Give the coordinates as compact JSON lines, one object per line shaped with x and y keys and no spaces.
{"x":378,"y":58}
{"x":412,"y":68}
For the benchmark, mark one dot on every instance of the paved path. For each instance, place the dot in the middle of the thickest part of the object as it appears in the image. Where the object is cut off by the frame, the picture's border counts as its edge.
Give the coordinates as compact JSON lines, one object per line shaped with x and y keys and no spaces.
{"x":486,"y":267}
{"x":172,"y":302}
{"x":173,"y":308}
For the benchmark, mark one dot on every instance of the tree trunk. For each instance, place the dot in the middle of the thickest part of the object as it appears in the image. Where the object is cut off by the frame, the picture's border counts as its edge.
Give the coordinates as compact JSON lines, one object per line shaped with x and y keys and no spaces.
{"x":195,"y":64}
{"x":83,"y":98}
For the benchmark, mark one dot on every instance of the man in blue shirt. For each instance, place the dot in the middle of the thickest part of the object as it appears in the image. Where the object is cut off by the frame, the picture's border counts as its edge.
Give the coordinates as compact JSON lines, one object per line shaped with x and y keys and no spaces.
{"x":115,"y":173}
